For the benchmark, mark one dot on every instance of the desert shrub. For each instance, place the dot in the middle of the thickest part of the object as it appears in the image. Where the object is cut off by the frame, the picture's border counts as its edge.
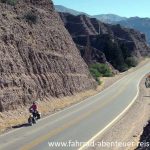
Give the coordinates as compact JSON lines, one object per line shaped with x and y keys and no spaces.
{"x":95,"y":73}
{"x":123,"y":67}
{"x":98,"y":70}
{"x":31,"y":17}
{"x":10,"y":2}
{"x":131,"y":61}
{"x":103,"y":69}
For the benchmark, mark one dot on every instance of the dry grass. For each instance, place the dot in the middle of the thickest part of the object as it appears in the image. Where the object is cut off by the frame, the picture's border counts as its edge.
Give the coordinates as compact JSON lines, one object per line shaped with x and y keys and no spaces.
{"x":54,"y":105}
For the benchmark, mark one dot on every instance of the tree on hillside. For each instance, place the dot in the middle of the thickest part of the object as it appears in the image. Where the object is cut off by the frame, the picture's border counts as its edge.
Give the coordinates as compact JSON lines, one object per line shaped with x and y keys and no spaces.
{"x":114,"y":55}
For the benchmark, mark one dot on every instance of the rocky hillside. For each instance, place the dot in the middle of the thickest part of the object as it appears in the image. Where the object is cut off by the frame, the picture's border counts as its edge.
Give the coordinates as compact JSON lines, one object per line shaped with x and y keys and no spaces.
{"x":140,"y":24}
{"x":137,"y":23}
{"x":38,"y":58}
{"x":116,"y":42}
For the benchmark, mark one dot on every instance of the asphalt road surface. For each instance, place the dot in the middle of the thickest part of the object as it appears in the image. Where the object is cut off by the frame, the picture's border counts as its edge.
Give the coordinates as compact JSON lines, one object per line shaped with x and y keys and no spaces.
{"x":78,"y":123}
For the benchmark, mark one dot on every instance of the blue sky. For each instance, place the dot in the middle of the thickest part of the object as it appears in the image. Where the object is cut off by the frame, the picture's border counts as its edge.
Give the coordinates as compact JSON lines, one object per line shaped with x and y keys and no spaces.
{"x":126,"y":8}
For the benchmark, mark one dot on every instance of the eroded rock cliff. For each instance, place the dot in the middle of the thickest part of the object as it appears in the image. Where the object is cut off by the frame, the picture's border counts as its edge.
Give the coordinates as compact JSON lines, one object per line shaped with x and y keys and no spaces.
{"x":38,"y":58}
{"x":116,"y":42}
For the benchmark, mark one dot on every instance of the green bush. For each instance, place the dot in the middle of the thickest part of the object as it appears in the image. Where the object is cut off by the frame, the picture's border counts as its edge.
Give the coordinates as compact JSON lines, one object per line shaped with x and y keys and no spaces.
{"x":123,"y":67}
{"x":31,"y":17}
{"x":102,"y":69}
{"x":114,"y":54}
{"x":105,"y":70}
{"x":98,"y":70}
{"x":131,"y":61}
{"x":10,"y":2}
{"x":95,"y":73}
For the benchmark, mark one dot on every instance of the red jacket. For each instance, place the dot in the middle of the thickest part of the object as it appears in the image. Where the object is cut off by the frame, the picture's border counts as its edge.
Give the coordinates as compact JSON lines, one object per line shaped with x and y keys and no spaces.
{"x":34,"y":107}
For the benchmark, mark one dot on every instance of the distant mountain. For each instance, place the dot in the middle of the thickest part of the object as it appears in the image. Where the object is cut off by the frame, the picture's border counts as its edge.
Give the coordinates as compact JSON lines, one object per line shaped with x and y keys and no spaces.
{"x":60,"y":8}
{"x":109,"y":18}
{"x":106,"y":18}
{"x":141,"y":24}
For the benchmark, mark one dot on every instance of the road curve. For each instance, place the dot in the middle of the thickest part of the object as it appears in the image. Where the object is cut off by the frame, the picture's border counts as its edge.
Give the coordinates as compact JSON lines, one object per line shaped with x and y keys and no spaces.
{"x":78,"y":123}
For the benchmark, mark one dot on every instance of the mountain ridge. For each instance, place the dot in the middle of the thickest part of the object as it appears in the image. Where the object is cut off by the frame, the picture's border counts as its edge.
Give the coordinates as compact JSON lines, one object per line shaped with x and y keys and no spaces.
{"x":61,"y":8}
{"x":142,"y":24}
{"x":109,"y":18}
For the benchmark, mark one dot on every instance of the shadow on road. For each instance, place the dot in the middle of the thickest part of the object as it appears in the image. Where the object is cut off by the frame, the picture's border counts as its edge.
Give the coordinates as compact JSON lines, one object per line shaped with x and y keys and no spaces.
{"x":146,"y":96}
{"x":21,"y":125}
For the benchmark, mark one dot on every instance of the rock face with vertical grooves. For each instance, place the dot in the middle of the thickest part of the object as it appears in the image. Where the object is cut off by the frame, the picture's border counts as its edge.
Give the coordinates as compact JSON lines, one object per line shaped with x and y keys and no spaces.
{"x":83,"y":27}
{"x":37,"y":55}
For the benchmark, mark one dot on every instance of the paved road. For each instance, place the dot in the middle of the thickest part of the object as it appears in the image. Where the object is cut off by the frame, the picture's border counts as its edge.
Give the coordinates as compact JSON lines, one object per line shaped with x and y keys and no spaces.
{"x":80,"y":122}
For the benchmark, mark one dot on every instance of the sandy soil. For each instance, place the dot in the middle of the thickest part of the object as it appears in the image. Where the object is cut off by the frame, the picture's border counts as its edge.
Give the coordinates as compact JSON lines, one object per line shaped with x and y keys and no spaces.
{"x":50,"y":106}
{"x":129,"y":128}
